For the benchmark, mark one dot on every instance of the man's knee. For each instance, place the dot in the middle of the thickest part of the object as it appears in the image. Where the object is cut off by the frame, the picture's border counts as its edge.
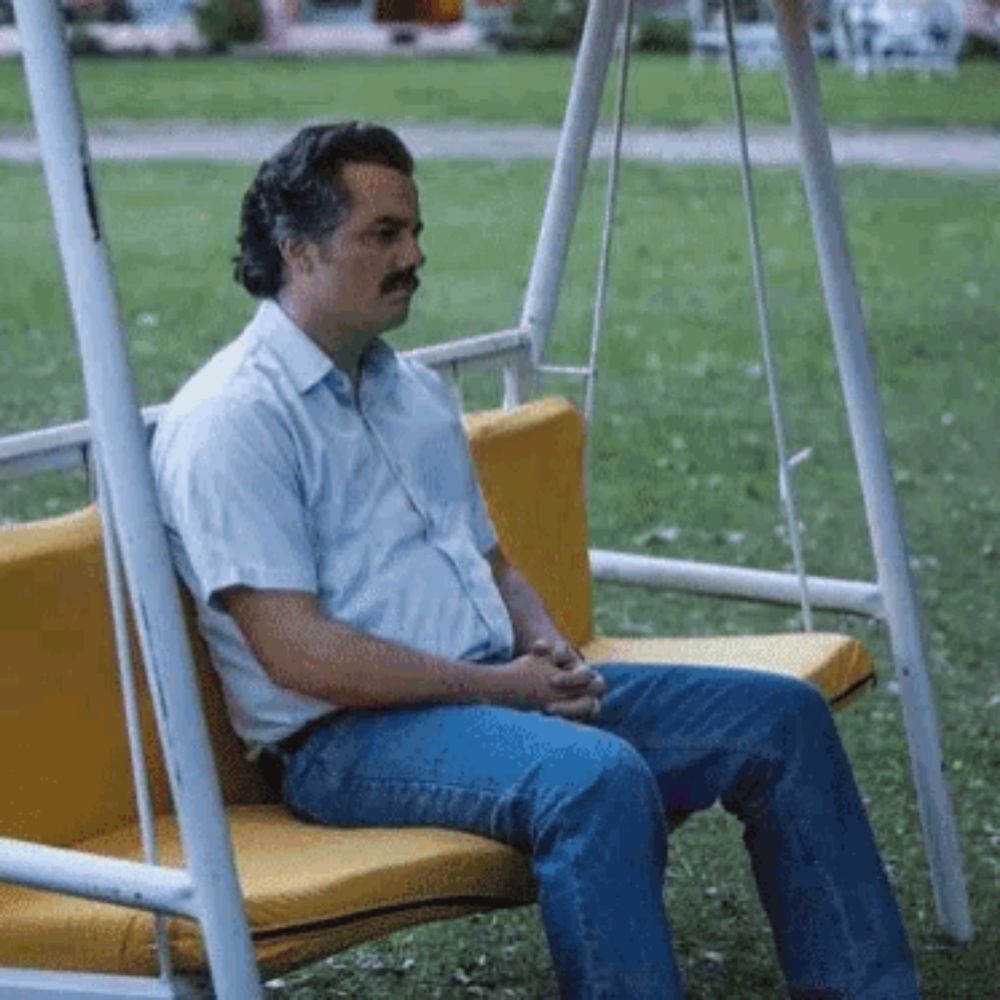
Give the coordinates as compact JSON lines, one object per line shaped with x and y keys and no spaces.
{"x":799,"y":738}
{"x":790,"y":704}
{"x":802,"y":704}
{"x":603,"y":772}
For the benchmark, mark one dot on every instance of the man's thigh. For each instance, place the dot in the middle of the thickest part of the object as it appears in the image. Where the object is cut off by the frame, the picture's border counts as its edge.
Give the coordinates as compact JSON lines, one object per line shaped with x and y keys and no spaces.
{"x":486,"y":769}
{"x":490,"y":769}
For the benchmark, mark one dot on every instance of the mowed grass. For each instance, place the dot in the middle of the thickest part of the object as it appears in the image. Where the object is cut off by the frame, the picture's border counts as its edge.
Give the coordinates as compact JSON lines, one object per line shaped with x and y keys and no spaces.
{"x":668,"y":91}
{"x":681,"y":447}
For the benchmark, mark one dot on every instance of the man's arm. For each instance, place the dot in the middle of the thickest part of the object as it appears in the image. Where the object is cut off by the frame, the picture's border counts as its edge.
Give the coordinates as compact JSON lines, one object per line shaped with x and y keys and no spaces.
{"x":527,"y":612}
{"x":534,"y":630}
{"x":304,"y":650}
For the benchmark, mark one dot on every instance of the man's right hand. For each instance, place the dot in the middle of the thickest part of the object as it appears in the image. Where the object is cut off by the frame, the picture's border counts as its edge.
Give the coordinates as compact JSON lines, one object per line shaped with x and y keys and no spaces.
{"x":535,"y":681}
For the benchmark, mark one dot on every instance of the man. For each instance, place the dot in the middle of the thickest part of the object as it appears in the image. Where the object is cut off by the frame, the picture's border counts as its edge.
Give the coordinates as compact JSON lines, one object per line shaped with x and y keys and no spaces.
{"x":371,"y":635}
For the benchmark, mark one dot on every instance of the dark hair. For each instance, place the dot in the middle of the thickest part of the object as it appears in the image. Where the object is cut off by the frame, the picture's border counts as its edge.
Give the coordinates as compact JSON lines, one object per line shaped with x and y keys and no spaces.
{"x":298,"y":193}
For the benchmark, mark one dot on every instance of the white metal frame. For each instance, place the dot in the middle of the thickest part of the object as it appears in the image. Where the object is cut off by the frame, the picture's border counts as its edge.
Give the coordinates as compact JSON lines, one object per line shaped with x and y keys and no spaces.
{"x":884,"y":516}
{"x":40,"y":984}
{"x":69,"y":446}
{"x":206,"y":890}
{"x":894,"y":591}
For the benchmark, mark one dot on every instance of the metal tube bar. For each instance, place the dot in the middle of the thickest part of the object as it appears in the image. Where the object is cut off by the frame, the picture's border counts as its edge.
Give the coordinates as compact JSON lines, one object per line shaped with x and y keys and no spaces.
{"x":451,"y":377}
{"x":576,"y":371}
{"x":118,"y":430}
{"x":46,"y":984}
{"x":511,"y":387}
{"x":517,"y":376}
{"x":130,"y":698}
{"x":43,"y":984}
{"x":76,"y":873}
{"x":470,"y":348}
{"x":607,"y":231}
{"x":786,"y":479}
{"x":30,"y":462}
{"x":735,"y":581}
{"x":64,"y":446}
{"x":582,"y":111}
{"x":48,"y":449}
{"x":885,"y":523}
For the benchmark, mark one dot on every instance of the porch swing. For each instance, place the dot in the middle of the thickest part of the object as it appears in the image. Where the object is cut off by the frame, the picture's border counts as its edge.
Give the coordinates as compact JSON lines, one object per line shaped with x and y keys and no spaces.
{"x":296,"y":892}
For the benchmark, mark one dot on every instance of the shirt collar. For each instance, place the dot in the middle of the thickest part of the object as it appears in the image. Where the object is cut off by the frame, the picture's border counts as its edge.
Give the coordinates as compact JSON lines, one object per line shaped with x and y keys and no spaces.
{"x":301,"y":358}
{"x":304,"y":361}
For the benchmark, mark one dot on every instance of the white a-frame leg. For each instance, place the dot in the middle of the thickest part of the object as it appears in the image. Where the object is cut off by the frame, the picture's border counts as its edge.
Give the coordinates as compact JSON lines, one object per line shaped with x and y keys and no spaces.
{"x":885,"y":523}
{"x":206,"y":889}
{"x":894,"y":595}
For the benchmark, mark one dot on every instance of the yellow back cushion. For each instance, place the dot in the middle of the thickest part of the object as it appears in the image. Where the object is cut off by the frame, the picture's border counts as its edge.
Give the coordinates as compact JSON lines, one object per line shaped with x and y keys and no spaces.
{"x":530,"y":464}
{"x":61,"y":725}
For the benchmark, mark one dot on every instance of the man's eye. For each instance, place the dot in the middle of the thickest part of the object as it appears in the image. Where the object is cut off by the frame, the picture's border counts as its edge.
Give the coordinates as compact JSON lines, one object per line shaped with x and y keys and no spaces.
{"x":385,"y":235}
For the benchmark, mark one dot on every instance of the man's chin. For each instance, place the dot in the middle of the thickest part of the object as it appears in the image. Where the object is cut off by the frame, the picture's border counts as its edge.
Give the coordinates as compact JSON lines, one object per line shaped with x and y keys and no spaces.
{"x":398,"y":318}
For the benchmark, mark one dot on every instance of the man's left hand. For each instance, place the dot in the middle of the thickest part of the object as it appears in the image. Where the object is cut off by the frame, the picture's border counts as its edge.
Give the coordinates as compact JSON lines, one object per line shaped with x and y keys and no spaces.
{"x":579,"y":705}
{"x":558,"y":651}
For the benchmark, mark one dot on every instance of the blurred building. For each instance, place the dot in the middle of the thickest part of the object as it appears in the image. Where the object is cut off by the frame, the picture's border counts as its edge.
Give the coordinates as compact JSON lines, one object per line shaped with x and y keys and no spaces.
{"x":459,"y":25}
{"x":982,"y":19}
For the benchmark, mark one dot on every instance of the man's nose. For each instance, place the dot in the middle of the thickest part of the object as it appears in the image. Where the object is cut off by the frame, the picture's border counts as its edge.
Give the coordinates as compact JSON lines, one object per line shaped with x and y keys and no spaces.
{"x":414,"y":256}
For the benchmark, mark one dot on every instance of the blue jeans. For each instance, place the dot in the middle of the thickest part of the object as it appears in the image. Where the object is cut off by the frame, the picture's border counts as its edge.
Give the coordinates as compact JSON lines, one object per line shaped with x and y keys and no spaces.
{"x":592,"y":804}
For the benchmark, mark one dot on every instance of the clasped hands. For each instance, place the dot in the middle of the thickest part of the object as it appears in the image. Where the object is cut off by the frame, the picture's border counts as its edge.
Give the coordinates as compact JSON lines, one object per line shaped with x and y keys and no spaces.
{"x":554,"y":678}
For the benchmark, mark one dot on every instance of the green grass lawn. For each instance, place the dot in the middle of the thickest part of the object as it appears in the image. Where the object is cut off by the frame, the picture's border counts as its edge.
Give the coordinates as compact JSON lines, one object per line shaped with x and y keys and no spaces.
{"x":509,"y":88}
{"x":682,"y":441}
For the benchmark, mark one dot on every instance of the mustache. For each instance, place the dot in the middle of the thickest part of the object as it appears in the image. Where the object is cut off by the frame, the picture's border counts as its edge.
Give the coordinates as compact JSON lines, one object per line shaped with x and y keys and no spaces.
{"x":400,"y":279}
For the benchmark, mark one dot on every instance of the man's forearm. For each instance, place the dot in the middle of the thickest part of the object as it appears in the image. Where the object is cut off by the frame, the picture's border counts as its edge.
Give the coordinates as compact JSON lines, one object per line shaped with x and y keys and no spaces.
{"x":305,"y":651}
{"x":530,"y":619}
{"x":355,"y":670}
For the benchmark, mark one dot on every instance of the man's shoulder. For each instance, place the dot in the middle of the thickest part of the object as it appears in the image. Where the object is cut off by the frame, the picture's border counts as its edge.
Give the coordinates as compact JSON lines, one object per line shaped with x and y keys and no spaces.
{"x":245,"y":371}
{"x":228,"y":394}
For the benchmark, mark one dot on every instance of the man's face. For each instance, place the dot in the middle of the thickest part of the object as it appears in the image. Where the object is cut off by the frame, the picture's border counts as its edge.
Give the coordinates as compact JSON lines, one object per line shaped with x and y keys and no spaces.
{"x":360,"y":279}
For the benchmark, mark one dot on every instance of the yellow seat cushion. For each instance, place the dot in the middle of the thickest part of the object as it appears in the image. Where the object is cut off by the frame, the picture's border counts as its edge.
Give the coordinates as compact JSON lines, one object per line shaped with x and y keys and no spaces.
{"x":840,"y":666}
{"x":309,"y":891}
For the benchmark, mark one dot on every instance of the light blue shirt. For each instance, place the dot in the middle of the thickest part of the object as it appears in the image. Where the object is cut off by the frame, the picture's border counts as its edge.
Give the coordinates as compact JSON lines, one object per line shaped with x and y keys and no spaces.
{"x":274,"y":473}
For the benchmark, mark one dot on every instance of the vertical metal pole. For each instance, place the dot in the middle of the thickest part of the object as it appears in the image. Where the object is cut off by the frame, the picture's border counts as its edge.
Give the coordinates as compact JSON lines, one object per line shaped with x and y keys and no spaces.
{"x":130,"y":699}
{"x":885,"y":524}
{"x":118,"y":430}
{"x":511,"y":387}
{"x":582,"y":111}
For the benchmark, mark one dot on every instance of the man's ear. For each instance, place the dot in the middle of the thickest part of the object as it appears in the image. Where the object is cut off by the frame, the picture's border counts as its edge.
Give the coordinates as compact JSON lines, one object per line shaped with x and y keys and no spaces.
{"x":295,"y":252}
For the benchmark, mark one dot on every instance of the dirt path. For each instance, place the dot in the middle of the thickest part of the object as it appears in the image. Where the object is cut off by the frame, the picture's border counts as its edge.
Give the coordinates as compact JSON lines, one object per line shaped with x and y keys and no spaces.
{"x":910,"y":149}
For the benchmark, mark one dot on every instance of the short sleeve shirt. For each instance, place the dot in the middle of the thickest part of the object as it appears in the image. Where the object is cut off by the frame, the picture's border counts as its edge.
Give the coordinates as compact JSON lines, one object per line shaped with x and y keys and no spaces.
{"x":275,"y":473}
